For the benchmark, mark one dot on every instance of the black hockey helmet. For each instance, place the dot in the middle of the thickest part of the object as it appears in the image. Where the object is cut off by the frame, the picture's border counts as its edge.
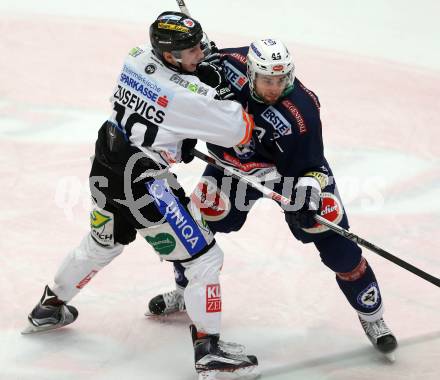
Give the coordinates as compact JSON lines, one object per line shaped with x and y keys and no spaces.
{"x":174,"y":31}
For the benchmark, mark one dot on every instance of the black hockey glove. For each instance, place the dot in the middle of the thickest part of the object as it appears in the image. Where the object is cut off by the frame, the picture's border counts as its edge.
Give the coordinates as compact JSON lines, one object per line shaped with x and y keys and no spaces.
{"x":116,"y":141}
{"x":212,"y":75}
{"x":187,"y":147}
{"x":305,"y":204}
{"x":214,"y":55}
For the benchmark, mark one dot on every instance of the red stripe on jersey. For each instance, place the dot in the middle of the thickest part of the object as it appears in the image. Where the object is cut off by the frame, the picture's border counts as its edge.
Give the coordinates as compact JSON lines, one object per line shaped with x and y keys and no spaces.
{"x":300,"y":123}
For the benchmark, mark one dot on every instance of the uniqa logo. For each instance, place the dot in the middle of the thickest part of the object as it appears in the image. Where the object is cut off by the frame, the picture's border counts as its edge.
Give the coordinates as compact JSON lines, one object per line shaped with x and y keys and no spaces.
{"x":173,"y":214}
{"x":187,"y":231}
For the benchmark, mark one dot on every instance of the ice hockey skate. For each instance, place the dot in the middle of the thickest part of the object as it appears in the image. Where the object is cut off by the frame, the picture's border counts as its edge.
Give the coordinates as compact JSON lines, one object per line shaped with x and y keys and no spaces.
{"x":166,"y":303}
{"x":50,"y":313}
{"x":381,"y":337}
{"x":173,"y":302}
{"x":212,"y":362}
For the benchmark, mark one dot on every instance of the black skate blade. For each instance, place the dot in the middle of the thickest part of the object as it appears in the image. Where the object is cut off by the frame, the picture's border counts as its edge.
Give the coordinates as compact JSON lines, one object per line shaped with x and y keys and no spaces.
{"x":149,"y":314}
{"x":246,"y":373}
{"x":179,"y":317}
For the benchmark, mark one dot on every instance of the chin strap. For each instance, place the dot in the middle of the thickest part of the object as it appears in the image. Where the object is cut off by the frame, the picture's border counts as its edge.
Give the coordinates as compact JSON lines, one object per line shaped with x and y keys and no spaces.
{"x":256,"y":97}
{"x":259,"y":99}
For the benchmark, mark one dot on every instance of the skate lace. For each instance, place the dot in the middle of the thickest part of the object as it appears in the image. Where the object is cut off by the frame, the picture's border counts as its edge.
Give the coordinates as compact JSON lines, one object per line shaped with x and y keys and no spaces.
{"x":376,"y":329}
{"x":174,"y":300}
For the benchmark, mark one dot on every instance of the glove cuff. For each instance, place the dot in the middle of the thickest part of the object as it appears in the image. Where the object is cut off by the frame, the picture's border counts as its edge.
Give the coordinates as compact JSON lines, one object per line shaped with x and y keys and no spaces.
{"x":308,"y":181}
{"x":321,"y":177}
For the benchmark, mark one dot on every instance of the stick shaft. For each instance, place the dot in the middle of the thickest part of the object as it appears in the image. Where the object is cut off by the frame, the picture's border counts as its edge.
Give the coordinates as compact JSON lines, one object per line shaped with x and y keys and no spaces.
{"x":182,"y":6}
{"x":332,"y":226}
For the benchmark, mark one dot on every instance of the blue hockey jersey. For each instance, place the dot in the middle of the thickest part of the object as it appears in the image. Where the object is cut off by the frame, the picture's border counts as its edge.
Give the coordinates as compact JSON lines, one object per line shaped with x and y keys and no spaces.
{"x":287,"y":135}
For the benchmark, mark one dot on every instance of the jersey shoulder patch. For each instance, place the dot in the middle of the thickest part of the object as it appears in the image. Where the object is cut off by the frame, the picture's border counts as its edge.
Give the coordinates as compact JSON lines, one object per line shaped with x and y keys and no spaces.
{"x":136,"y":51}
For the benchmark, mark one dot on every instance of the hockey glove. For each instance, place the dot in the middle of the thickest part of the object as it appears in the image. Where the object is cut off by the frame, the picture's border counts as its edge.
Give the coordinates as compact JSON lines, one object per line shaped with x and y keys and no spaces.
{"x":305,"y":204}
{"x":116,"y":140}
{"x":212,"y":75}
{"x":214,"y":55}
{"x":187,"y":147}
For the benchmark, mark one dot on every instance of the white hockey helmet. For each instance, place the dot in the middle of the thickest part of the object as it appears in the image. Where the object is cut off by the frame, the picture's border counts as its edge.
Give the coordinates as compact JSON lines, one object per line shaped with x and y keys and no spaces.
{"x":270,"y":57}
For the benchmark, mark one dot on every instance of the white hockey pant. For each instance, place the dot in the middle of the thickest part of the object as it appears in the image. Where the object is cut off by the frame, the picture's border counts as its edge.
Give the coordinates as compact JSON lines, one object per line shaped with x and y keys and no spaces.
{"x":80,"y":265}
{"x":202,"y":295}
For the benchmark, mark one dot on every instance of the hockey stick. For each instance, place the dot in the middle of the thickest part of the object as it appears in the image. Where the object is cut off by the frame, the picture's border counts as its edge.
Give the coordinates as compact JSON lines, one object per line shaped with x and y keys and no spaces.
{"x":334,"y":227}
{"x":183,"y":7}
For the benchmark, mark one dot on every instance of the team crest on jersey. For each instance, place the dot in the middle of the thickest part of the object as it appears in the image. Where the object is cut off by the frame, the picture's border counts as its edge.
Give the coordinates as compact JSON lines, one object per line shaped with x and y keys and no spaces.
{"x":278,"y":121}
{"x":331,"y":209}
{"x":245,"y":151}
{"x":213,"y":203}
{"x":369,"y":297}
{"x":150,"y":68}
{"x":235,"y":76}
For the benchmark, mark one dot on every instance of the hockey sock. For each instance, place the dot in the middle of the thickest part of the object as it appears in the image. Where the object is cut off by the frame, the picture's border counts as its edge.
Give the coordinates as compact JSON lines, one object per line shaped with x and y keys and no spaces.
{"x":361,"y":290}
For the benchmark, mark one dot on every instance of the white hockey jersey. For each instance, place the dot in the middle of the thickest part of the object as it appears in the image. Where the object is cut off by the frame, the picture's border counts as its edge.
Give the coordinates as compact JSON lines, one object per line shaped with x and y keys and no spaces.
{"x":157,"y":108}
